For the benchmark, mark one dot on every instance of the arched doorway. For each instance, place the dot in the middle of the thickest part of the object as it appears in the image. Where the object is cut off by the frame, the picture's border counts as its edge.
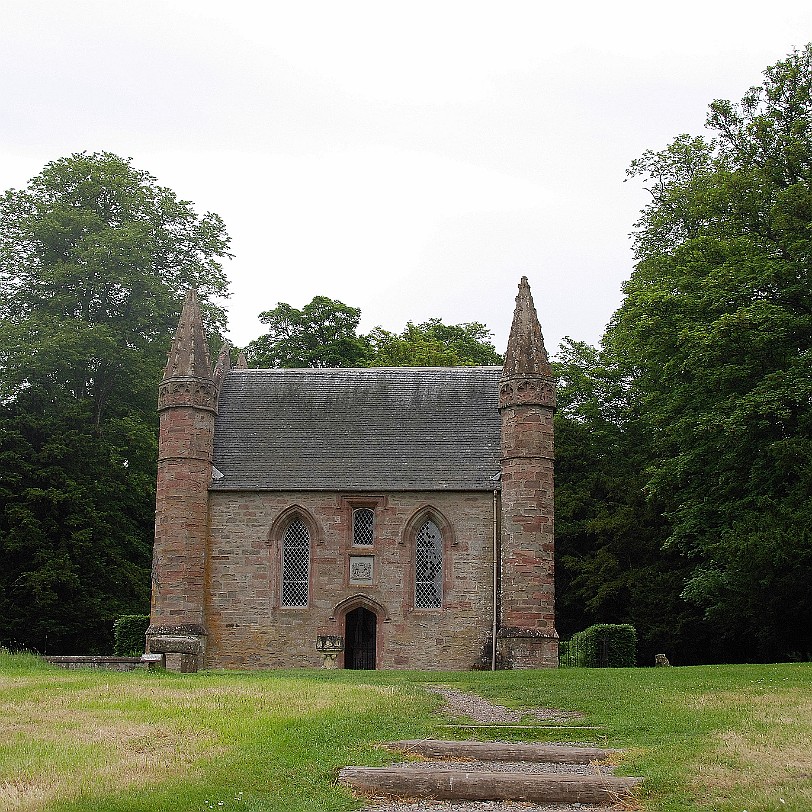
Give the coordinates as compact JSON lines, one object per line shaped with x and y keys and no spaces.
{"x":360,"y":631}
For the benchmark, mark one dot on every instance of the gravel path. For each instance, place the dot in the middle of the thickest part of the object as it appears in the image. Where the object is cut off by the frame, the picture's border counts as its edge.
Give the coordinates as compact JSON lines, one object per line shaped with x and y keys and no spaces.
{"x":481,"y":711}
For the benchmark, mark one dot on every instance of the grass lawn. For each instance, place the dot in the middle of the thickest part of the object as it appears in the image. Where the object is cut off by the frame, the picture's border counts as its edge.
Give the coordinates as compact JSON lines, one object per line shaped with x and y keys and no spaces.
{"x":721,"y":738}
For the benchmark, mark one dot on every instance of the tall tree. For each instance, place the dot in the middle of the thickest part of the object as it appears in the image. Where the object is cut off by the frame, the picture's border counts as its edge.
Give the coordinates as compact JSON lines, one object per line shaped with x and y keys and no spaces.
{"x":610,"y":566}
{"x":716,"y":332}
{"x":94,"y":259}
{"x":324,"y":333}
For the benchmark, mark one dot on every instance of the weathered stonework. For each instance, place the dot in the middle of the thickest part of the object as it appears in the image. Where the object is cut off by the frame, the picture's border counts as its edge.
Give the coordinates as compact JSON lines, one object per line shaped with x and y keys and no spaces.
{"x":249,"y":629}
{"x":187,"y":404}
{"x":187,"y":392}
{"x":217,"y":571}
{"x":526,"y":401}
{"x":527,"y":390}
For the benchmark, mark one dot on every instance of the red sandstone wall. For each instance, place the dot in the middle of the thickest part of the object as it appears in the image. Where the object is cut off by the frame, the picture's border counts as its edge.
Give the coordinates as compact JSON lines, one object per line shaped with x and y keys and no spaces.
{"x":527,"y":525}
{"x":184,"y":473}
{"x":248,"y":628}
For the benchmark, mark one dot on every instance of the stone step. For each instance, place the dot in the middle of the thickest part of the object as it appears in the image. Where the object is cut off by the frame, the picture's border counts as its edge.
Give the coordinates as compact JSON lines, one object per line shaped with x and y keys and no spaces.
{"x":459,"y":784}
{"x":501,"y":751}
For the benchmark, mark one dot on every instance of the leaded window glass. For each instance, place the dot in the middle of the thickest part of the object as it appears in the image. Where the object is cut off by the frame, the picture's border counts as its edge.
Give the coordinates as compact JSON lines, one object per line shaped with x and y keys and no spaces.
{"x":363,"y":526}
{"x":295,"y":564}
{"x":428,"y":578}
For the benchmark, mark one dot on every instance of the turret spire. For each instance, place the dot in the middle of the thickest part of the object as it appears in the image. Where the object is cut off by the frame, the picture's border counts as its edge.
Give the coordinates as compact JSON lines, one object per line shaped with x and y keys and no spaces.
{"x":527,"y":402}
{"x":188,"y":379}
{"x":527,"y":376}
{"x":189,"y":356}
{"x":525,"y":353}
{"x":187,"y":405}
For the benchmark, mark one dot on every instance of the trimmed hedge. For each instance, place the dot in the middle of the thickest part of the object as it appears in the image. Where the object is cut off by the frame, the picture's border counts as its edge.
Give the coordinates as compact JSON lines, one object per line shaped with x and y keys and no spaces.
{"x":604,"y":645}
{"x":129,"y":633}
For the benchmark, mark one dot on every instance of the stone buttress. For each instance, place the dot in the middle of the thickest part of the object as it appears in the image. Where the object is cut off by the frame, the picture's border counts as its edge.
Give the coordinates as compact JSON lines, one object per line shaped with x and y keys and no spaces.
{"x":527,"y":636}
{"x":187,"y":405}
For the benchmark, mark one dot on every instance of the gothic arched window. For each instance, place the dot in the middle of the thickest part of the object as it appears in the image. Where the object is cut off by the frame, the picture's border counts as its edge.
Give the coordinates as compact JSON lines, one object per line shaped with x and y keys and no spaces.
{"x":428,"y":567}
{"x":295,"y":564}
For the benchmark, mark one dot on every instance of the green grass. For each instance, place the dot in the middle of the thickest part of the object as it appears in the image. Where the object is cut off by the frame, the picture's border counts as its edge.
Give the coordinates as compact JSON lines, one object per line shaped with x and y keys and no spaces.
{"x":726,"y":738}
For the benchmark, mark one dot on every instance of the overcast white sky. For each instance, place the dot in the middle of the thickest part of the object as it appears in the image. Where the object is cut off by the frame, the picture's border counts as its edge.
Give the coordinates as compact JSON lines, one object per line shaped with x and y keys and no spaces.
{"x":411,"y":159}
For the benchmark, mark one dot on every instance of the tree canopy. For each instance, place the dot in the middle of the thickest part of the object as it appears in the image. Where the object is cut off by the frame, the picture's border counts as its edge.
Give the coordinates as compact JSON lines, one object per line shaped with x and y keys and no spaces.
{"x":434,"y":344}
{"x":610,"y":565}
{"x":95,"y":257}
{"x":324,"y":333}
{"x":715,"y":336}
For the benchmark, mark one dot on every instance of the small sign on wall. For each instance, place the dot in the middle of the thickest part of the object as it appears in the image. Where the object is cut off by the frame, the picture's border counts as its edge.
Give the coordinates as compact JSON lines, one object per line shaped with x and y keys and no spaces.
{"x":361,"y":569}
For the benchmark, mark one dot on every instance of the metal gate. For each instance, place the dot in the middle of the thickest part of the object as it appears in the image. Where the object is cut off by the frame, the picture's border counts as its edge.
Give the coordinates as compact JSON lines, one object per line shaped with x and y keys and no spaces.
{"x":361,"y":627}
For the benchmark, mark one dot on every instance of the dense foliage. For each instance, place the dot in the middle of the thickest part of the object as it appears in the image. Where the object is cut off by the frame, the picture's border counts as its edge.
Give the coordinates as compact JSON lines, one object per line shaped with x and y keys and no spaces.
{"x":434,"y":344}
{"x":94,"y":259}
{"x":708,"y":416}
{"x":324,"y":333}
{"x":610,"y":565}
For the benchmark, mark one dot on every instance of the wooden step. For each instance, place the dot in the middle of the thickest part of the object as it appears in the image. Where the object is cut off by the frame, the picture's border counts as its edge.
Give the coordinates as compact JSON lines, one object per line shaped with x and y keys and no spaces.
{"x":501,"y":751}
{"x":462,"y":785}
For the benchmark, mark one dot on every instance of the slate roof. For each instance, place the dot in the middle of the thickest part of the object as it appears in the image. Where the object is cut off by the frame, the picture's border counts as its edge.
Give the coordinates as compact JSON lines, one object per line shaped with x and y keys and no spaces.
{"x":373,"y":429}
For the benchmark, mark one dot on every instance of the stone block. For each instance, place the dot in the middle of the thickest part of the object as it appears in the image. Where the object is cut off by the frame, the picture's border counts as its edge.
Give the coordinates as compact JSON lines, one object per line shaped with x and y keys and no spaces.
{"x":165,"y":644}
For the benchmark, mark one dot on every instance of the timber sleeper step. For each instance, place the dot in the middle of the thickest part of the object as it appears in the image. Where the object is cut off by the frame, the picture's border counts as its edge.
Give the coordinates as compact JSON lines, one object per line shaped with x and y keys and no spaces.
{"x":480,"y":785}
{"x":500,"y":751}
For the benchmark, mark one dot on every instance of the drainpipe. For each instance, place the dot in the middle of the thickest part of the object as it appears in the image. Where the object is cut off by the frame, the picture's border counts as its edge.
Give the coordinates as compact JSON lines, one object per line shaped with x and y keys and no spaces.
{"x":495,"y":578}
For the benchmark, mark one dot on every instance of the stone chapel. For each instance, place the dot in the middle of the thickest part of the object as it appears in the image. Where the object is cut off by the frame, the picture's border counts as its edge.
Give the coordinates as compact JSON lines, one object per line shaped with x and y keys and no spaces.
{"x":355,"y":518}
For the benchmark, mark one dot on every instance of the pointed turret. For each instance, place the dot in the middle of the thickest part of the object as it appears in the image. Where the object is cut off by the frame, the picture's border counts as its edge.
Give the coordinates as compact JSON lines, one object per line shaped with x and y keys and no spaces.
{"x":189,"y":355}
{"x":187,"y":405}
{"x":527,"y":402}
{"x":526,"y":375}
{"x":525,"y":353}
{"x":188,"y":379}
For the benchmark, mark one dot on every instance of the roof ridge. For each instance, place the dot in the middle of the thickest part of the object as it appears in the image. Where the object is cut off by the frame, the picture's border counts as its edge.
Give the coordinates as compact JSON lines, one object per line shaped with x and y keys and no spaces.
{"x":324,"y":370}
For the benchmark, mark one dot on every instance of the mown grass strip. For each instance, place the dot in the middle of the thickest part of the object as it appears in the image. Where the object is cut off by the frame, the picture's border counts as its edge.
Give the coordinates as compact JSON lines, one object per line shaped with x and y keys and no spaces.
{"x":727,"y":738}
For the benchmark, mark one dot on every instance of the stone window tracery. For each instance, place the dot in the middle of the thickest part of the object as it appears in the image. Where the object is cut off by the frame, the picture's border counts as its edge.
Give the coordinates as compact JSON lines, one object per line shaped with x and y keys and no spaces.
{"x":428,"y":575}
{"x":295,"y":564}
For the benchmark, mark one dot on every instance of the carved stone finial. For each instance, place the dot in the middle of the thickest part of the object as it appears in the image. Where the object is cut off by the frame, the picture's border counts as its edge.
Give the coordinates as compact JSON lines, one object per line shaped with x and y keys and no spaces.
{"x":223,"y":365}
{"x":188,"y":377}
{"x":526,"y":375}
{"x":242,"y":363}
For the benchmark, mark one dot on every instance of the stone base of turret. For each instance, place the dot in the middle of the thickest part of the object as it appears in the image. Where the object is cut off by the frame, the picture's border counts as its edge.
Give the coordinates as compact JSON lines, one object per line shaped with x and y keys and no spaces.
{"x":528,"y":648}
{"x":183,"y":647}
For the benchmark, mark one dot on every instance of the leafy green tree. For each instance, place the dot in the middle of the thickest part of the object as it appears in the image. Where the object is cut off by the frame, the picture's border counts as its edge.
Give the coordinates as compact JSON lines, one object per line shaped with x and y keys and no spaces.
{"x":716,"y":332}
{"x":610,"y":567}
{"x":324,"y":333}
{"x":95,"y":257}
{"x":434,"y":344}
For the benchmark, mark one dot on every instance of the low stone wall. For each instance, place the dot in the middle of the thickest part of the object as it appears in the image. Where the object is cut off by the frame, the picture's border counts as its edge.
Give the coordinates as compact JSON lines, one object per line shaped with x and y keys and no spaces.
{"x":92,"y":661}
